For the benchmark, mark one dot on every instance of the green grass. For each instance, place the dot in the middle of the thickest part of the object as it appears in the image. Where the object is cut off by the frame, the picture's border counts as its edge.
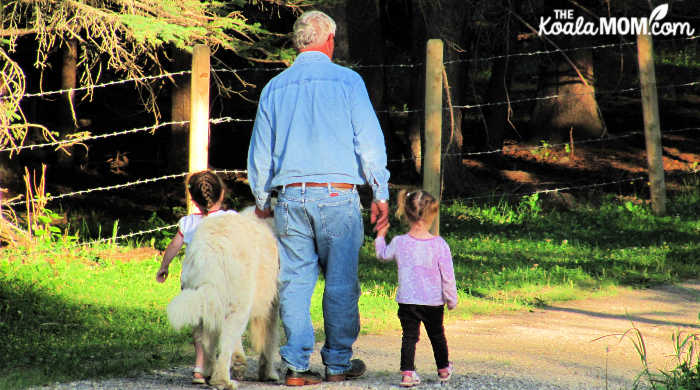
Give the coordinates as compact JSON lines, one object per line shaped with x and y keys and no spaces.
{"x":78,"y":317}
{"x":67,"y":315}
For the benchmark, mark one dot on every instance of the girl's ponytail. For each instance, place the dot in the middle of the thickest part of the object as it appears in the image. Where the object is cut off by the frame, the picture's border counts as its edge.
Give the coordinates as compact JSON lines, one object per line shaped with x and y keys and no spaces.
{"x":401,"y":203}
{"x":415,"y":206}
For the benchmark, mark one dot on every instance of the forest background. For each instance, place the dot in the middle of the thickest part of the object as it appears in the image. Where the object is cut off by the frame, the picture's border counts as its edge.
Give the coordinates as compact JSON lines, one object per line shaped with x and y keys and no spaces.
{"x":499,"y":81}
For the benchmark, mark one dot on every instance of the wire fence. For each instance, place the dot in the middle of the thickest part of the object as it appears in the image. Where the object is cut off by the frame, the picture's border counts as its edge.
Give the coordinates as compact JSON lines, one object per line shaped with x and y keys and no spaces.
{"x":120,"y":186}
{"x":535,"y":148}
{"x":227,"y":119}
{"x":171,"y":75}
{"x":495,"y":196}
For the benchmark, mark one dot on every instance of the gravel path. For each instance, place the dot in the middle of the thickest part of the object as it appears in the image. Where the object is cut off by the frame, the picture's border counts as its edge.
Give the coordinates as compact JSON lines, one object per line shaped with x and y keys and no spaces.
{"x":570,"y":345}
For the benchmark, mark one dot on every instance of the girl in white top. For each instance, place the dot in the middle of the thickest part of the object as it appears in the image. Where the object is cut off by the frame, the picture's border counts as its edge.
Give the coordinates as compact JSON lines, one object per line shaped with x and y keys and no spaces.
{"x":207,"y":193}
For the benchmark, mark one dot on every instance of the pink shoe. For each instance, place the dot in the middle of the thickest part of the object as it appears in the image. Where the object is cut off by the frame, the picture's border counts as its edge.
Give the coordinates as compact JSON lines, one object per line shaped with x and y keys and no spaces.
{"x":409,"y":379}
{"x":444,"y":374}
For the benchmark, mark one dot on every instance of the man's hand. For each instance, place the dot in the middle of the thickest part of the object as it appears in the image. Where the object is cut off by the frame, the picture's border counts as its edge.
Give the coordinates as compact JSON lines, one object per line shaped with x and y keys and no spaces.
{"x":379,"y":215}
{"x":267,"y":213}
{"x":161,"y":275}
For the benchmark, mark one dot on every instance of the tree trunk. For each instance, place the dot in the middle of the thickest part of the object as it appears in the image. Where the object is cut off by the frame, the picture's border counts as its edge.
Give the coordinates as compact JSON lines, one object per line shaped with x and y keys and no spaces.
{"x":367,"y":46}
{"x":415,"y":133}
{"x":68,"y":119}
{"x":498,"y":124}
{"x":497,"y":116}
{"x":178,"y":145}
{"x":69,"y":77}
{"x":575,"y":108}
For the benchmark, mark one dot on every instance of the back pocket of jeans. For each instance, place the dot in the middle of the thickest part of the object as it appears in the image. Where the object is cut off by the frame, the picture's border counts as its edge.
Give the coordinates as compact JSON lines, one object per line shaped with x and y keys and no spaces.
{"x":340,"y":217}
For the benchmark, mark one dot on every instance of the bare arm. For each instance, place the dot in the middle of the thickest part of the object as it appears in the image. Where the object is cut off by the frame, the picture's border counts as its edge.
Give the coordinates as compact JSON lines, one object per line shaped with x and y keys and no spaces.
{"x":170,"y":253}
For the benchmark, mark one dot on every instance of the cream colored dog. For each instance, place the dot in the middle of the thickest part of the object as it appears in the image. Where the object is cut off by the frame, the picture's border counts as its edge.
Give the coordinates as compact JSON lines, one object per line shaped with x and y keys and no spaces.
{"x":229,"y":278}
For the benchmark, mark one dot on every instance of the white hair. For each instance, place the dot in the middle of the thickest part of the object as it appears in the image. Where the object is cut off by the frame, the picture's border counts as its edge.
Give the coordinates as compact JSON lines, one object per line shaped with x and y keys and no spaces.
{"x":312,"y":28}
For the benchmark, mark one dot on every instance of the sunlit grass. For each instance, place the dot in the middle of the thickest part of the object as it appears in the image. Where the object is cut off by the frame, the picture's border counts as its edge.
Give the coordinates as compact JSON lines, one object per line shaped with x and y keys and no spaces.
{"x":67,"y":317}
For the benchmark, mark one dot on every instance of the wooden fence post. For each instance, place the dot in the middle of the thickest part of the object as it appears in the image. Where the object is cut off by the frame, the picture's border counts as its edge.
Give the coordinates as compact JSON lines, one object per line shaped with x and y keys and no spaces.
{"x":432,"y":178}
{"x":199,"y":114}
{"x":652,"y":130}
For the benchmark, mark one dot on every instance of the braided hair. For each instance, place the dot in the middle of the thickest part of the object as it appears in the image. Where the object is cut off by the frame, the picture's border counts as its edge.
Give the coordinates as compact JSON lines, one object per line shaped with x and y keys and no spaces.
{"x":416,"y":206}
{"x":205,"y":188}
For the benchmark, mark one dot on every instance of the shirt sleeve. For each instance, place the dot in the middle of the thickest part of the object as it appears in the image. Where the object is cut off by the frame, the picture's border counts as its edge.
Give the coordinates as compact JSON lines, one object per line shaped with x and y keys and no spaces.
{"x":449,"y":284}
{"x":260,"y":167}
{"x":369,"y":141}
{"x":383,"y":252}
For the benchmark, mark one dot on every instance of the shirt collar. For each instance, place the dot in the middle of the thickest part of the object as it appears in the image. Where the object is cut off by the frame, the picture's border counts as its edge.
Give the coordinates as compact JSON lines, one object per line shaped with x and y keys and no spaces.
{"x":311,"y":56}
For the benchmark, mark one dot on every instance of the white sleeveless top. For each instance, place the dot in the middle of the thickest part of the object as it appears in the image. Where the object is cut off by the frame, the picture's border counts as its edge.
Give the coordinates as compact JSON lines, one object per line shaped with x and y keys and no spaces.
{"x":188,"y":224}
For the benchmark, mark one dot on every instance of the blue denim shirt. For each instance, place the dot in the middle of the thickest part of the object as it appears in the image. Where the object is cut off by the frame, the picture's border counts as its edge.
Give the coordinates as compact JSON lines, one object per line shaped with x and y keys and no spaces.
{"x":315,"y":123}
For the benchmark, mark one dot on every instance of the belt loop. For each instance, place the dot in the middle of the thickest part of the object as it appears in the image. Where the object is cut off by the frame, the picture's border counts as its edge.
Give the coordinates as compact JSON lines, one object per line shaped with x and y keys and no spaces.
{"x":303,"y":187}
{"x":284,"y":188}
{"x":328,"y":185}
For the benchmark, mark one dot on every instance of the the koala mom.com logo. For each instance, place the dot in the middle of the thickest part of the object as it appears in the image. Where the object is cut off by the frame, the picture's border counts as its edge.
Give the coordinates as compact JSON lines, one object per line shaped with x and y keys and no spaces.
{"x":564,"y":23}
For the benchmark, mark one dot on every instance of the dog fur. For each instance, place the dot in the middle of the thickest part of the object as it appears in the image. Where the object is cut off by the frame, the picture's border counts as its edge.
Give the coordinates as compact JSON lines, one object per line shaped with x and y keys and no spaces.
{"x":229,"y":278}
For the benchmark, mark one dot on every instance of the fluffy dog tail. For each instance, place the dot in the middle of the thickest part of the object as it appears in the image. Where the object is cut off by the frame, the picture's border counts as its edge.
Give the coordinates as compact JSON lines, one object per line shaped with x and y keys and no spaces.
{"x":194,"y":305}
{"x":265,"y":327}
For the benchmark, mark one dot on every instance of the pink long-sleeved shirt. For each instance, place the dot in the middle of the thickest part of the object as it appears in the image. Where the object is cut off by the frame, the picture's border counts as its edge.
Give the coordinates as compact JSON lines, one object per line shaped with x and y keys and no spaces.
{"x":426,"y":274}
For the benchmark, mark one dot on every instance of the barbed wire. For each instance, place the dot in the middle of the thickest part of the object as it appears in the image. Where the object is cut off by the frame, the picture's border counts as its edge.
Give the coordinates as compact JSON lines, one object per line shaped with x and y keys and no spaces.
{"x":79,"y":140}
{"x":92,"y":137}
{"x":125,"y":185}
{"x":121,"y":237}
{"x":535,"y":147}
{"x":609,"y":92}
{"x":538,"y":52}
{"x":105,"y":188}
{"x":543,"y":52}
{"x":104,"y":85}
{"x":547,"y":191}
{"x":629,"y":180}
{"x":358,"y":66}
{"x":100,"y":241}
{"x":228,"y":119}
{"x":237,"y":171}
{"x":548,"y":97}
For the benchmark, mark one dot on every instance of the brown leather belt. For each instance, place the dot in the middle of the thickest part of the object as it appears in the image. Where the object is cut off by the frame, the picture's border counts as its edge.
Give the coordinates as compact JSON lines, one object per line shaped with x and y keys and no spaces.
{"x":341,"y":186}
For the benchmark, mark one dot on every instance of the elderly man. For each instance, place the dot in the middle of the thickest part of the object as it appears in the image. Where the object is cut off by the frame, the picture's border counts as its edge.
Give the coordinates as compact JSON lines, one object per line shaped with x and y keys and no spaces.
{"x":315,"y":139}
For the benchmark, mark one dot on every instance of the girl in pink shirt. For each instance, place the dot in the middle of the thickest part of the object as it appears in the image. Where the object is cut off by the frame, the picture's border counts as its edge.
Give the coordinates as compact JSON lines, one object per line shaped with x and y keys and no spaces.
{"x":426,"y":282}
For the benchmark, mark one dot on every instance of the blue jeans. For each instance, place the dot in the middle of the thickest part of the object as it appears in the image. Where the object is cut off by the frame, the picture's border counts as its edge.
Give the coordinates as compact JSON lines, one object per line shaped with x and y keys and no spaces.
{"x":320,"y":229}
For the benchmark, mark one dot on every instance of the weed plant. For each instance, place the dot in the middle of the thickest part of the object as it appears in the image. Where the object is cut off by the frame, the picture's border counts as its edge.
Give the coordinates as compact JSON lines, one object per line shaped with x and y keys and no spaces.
{"x":69,"y":312}
{"x":686,"y":355}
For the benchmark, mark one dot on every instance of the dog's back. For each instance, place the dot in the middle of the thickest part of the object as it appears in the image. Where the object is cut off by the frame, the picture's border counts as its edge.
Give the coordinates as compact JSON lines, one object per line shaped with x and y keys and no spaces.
{"x":230,"y":265}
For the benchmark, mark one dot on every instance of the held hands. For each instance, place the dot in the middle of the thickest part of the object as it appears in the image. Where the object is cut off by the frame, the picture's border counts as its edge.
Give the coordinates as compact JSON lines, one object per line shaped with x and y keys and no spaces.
{"x":379,"y":216}
{"x":382,"y":232}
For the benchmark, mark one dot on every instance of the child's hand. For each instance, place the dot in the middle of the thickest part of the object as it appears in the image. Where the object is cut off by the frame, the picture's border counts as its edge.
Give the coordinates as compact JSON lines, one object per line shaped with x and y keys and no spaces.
{"x":451,"y":306}
{"x":162,"y":275}
{"x":382,"y":232}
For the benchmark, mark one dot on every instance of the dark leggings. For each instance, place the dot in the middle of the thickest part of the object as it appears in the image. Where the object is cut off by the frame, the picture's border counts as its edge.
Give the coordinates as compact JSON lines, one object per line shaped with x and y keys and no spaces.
{"x":431,"y":316}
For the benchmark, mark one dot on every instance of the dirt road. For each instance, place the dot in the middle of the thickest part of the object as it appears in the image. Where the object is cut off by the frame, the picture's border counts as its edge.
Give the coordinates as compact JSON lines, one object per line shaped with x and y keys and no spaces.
{"x":556,"y":347}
